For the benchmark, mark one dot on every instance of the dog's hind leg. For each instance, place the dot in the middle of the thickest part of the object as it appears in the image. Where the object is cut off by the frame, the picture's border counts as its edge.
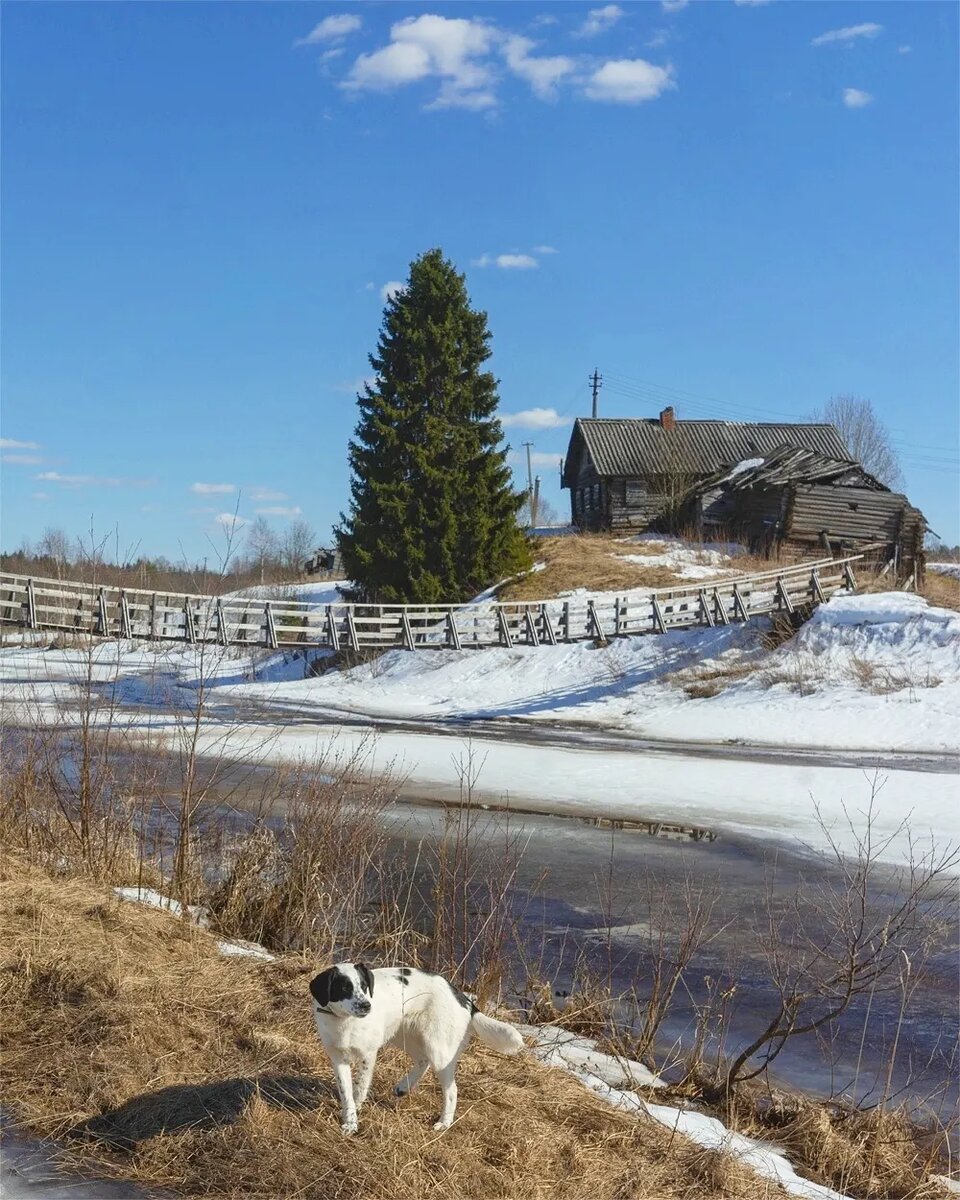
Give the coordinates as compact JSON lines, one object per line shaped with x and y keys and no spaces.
{"x":412,"y":1077}
{"x":447,"y":1078}
{"x":362,"y":1078}
{"x":348,"y":1109}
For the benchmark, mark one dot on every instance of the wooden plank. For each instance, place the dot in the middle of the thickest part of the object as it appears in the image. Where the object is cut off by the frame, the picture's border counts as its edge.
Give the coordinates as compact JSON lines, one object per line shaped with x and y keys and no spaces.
{"x":593,"y":622}
{"x":124,"y":617}
{"x":452,"y":634}
{"x":705,"y":613}
{"x":848,"y":577}
{"x":188,"y":622}
{"x":548,"y":635}
{"x":565,"y":620}
{"x":223,"y":632}
{"x":103,"y":627}
{"x":31,"y":606}
{"x":530,"y":628}
{"x":503,"y":629}
{"x":659,"y":621}
{"x":784,"y":597}
{"x":271,"y":626}
{"x":617,"y":619}
{"x":352,"y":630}
{"x":720,"y":609}
{"x":739,"y":608}
{"x":407,"y":632}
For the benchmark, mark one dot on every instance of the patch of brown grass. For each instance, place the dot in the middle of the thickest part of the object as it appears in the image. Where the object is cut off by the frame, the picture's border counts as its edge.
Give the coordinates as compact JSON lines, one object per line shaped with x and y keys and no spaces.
{"x":941,"y":590}
{"x":177,"y":1068}
{"x":589,"y":560}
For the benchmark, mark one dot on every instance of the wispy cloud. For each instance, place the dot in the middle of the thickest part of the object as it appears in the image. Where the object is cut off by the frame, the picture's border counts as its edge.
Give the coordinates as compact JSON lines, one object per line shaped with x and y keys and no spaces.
{"x":659,"y":37}
{"x":264,"y":494}
{"x":39,"y":495}
{"x":849,"y":33}
{"x":350,"y":387}
{"x":507,"y":262}
{"x":92,"y":480}
{"x":629,"y":81}
{"x":331,"y":29}
{"x":23,"y":460}
{"x":545,"y":250}
{"x":672,"y":6}
{"x":543,"y":73}
{"x":750,"y":3}
{"x":213,"y":489}
{"x":904,"y":49}
{"x":855,"y":98}
{"x":230,"y":521}
{"x":599,"y":20}
{"x":13,"y":444}
{"x":534,"y":418}
{"x":393,"y":287}
{"x":278,"y":510}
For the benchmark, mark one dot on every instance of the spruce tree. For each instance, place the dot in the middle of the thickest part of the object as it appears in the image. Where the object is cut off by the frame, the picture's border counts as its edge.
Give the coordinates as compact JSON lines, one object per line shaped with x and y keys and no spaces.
{"x":433,"y":515}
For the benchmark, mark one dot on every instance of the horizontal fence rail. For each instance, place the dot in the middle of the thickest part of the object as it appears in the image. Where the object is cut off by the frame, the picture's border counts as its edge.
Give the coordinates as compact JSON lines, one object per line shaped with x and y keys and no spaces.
{"x":110,"y":612}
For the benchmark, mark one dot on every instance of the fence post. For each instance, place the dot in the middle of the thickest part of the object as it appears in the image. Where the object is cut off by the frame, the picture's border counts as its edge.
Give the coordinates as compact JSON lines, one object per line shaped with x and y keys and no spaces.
{"x":31,"y":606}
{"x":816,"y":587}
{"x":504,"y":629}
{"x":593,"y":622}
{"x":222,"y":631}
{"x":124,"y":616}
{"x":532,"y":639}
{"x":102,"y":613}
{"x":453,"y":633}
{"x":739,"y":608}
{"x":271,"y":626}
{"x":849,"y":578}
{"x":548,"y":635}
{"x":191,"y":629}
{"x":720,"y":609}
{"x":782,"y":595}
{"x":408,"y":641}
{"x":352,"y":630}
{"x":566,"y":620}
{"x":333,"y":636}
{"x":705,"y":609}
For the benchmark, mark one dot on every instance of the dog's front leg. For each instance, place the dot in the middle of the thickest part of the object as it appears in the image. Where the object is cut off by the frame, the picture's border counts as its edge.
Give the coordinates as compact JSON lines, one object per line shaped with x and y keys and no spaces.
{"x":348,"y":1109}
{"x":363,"y":1078}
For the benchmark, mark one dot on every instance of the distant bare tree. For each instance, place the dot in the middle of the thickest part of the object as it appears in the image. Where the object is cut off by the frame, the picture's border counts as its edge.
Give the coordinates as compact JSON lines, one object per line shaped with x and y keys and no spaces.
{"x":866,"y":436}
{"x":55,"y":545}
{"x":263,"y":544}
{"x":296,"y":546}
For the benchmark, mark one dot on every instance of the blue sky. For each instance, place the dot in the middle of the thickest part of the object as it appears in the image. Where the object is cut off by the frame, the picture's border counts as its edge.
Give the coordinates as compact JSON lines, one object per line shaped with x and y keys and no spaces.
{"x":737,"y":207}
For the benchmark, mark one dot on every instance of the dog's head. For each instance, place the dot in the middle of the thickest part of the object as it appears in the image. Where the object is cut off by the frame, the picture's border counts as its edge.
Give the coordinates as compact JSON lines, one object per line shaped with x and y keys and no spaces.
{"x":344,"y":990}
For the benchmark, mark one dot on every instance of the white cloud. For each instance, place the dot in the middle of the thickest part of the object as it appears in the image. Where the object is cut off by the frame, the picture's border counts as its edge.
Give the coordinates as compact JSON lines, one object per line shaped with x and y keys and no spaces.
{"x":672,"y":6}
{"x":213,"y":489}
{"x":331,"y":29}
{"x":263,"y":494}
{"x":230,"y":521}
{"x":750,"y":3}
{"x":849,"y":33}
{"x":13,"y":444}
{"x":545,"y":250}
{"x":854,"y":98}
{"x":516,"y":262}
{"x":628,"y":81}
{"x":534,"y":418}
{"x":904,"y":49}
{"x":658,"y":38}
{"x":449,"y":48}
{"x":599,"y":20}
{"x":23,"y":460}
{"x":40,"y":496}
{"x":91,"y":480}
{"x":392,"y":288}
{"x":543,"y":74}
{"x":278,"y":510}
{"x":506,"y":262}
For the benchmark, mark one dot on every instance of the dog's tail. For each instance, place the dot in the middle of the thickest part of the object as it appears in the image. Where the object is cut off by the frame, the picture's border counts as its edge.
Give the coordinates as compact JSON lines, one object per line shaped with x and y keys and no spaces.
{"x":498,"y":1035}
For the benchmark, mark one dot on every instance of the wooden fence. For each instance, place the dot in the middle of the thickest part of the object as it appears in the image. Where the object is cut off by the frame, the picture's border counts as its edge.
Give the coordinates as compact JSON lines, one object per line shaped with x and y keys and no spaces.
{"x":64,"y":606}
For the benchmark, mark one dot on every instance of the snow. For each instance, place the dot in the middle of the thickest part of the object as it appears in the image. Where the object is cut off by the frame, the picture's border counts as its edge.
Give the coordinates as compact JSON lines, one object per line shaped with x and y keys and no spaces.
{"x":230,"y":947}
{"x":867,"y":673}
{"x":611,"y":1077}
{"x":709,"y":561}
{"x":320,"y":593}
{"x":945,"y":568}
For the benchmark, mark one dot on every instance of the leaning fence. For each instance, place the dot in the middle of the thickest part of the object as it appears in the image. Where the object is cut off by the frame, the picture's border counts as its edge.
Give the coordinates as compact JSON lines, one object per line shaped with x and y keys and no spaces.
{"x":111,"y":612}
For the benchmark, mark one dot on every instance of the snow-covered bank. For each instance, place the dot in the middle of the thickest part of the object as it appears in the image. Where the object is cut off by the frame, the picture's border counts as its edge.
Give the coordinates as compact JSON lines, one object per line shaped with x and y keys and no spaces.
{"x":866,"y":672}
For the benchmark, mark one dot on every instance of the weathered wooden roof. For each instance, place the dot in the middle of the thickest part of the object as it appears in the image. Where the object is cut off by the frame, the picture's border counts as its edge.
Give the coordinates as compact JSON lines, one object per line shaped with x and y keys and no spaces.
{"x":635,"y":448}
{"x":799,"y":464}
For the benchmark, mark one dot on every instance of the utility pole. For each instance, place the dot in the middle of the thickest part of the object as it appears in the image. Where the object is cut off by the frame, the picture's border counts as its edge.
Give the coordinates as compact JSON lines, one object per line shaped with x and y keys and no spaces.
{"x":529,"y":446}
{"x":596,"y":382}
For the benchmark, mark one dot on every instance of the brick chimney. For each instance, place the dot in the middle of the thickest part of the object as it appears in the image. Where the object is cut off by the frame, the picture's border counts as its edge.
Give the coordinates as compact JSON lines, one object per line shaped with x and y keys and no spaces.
{"x":667,"y":419}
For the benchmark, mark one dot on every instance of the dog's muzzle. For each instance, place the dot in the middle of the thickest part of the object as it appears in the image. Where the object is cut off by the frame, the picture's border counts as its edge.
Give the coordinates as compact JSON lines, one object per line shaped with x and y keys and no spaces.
{"x":362,"y":1008}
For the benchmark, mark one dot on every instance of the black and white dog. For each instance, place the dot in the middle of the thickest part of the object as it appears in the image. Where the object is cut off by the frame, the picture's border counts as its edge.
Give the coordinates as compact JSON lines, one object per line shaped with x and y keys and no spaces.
{"x":358,"y":1010}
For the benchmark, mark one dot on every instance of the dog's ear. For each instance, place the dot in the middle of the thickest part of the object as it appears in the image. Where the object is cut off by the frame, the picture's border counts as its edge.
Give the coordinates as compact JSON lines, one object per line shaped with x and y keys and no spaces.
{"x":367,"y":976}
{"x":320,"y":986}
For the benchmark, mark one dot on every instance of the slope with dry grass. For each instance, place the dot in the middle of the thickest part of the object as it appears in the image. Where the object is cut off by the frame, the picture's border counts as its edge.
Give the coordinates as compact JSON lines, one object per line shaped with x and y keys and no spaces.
{"x":167,"y":1064}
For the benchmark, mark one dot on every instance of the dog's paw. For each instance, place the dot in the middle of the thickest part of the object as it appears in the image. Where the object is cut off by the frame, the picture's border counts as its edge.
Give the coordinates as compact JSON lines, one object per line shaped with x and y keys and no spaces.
{"x":442,"y":1124}
{"x":347,"y":1128}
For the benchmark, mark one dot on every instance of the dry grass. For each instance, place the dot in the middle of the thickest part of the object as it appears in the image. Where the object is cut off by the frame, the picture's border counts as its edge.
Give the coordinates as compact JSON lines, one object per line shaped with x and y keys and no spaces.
{"x":941,"y":590}
{"x":169,"y":1065}
{"x":586,"y":561}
